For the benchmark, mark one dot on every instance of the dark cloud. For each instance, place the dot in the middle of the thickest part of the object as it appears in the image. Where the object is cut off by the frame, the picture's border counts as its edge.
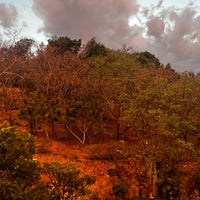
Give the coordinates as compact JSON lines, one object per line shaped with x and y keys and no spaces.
{"x":107,"y":20}
{"x":172,"y":34}
{"x":8,"y":14}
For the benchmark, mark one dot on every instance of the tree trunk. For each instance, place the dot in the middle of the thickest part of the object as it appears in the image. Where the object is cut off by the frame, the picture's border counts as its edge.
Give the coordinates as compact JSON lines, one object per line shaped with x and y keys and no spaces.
{"x":118,"y":129}
{"x":152,"y":177}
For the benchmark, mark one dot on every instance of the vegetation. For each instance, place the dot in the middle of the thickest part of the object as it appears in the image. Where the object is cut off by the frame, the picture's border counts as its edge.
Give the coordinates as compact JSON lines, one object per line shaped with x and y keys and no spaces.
{"x":119,"y":189}
{"x":18,"y":171}
{"x":96,"y":95}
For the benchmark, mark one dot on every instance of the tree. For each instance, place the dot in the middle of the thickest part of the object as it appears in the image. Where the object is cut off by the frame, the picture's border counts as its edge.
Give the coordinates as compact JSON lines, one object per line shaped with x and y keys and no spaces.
{"x":64,"y":44}
{"x":93,"y":49}
{"x":19,"y":173}
{"x":146,"y":59}
{"x":118,"y":86}
{"x":84,"y":109}
{"x":22,"y":48}
{"x":54,"y":78}
{"x":34,"y":110}
{"x":65,"y":181}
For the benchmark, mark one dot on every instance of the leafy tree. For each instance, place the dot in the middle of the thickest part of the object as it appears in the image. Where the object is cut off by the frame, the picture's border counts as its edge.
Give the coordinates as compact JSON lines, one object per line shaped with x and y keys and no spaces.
{"x":65,"y":181}
{"x":118,"y":86}
{"x":146,"y":59}
{"x":153,"y":114}
{"x":94,"y":48}
{"x":19,"y":173}
{"x":120,"y":189}
{"x":64,"y":44}
{"x":85,"y":108}
{"x":22,"y":47}
{"x":34,"y":110}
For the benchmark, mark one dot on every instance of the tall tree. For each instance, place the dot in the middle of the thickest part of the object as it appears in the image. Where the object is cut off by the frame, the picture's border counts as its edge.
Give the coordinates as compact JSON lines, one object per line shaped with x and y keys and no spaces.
{"x":22,"y":47}
{"x":94,"y":48}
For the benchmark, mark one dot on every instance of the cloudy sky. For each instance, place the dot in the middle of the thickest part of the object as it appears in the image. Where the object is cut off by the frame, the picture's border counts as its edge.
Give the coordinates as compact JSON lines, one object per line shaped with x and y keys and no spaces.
{"x":168,"y":29}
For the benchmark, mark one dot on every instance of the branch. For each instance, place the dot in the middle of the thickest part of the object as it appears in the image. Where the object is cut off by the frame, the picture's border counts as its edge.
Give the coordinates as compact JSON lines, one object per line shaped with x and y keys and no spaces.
{"x":11,"y":73}
{"x":82,"y":141}
{"x":7,"y":68}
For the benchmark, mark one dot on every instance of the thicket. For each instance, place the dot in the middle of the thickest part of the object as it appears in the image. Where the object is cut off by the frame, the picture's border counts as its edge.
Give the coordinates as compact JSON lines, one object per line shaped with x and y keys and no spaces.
{"x":92,"y":91}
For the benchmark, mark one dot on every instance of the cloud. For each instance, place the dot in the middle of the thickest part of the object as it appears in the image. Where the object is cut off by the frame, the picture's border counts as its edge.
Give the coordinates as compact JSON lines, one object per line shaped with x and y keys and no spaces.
{"x":107,"y":20}
{"x":180,"y":42}
{"x":155,"y":27}
{"x":8,"y":14}
{"x":172,"y":34}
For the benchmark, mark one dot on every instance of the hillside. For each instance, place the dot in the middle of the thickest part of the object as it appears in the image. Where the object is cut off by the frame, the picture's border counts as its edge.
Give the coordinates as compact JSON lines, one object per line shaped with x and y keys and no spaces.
{"x":119,"y":115}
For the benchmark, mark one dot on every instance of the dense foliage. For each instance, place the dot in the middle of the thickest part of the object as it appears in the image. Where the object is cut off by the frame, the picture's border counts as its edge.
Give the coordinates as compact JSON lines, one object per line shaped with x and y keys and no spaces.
{"x":18,"y":171}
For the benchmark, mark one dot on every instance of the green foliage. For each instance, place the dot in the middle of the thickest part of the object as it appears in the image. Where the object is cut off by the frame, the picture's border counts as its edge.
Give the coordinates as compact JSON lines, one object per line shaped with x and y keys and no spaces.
{"x":34,"y":109}
{"x":64,"y":44}
{"x":147,"y":59}
{"x":73,"y":109}
{"x":120,"y":189}
{"x":18,"y":171}
{"x":94,"y":48}
{"x":65,"y":181}
{"x":39,"y":192}
{"x":54,"y":110}
{"x":169,"y":181}
{"x":22,"y":47}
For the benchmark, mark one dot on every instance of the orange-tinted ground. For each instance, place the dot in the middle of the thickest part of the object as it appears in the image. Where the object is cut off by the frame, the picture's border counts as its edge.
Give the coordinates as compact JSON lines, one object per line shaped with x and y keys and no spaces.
{"x":62,"y":152}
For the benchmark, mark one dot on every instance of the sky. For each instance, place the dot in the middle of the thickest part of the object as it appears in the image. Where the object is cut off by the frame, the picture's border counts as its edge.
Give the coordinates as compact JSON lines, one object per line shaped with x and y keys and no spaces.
{"x":168,"y":29}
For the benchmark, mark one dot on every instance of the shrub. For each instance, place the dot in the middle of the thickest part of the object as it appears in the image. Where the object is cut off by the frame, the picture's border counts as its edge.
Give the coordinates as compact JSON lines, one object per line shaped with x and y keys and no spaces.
{"x":120,"y":189}
{"x":19,"y":173}
{"x":65,"y":181}
{"x":169,"y":183}
{"x":113,"y":172}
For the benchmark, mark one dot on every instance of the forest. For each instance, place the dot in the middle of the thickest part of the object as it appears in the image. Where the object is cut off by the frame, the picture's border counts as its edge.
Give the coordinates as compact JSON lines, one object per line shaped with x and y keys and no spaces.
{"x":124,"y":107}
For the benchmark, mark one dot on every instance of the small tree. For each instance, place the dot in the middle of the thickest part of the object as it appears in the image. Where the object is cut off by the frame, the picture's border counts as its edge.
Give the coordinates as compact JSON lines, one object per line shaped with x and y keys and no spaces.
{"x":19,"y":173}
{"x":34,"y":110}
{"x":120,"y":189}
{"x":94,"y":48}
{"x":65,"y":181}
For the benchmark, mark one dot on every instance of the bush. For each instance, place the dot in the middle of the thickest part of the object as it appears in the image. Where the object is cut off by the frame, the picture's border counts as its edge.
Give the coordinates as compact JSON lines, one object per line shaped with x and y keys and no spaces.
{"x":120,"y":189}
{"x":65,"y":181}
{"x":169,"y":183}
{"x":19,"y":173}
{"x":113,"y":172}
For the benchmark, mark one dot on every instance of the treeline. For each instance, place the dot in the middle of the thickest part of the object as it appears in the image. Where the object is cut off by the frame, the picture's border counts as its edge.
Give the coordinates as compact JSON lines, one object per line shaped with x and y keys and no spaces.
{"x":83,"y":85}
{"x":83,"y":88}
